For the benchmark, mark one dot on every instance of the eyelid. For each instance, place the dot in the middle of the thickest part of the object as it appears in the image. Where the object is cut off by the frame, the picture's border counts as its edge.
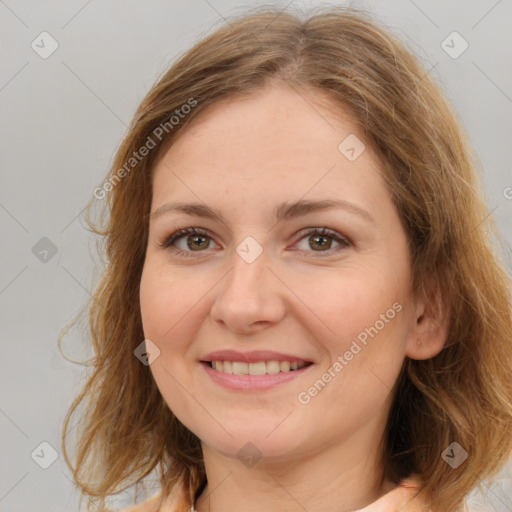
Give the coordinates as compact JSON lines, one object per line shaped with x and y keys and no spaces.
{"x":344,"y":241}
{"x":168,"y":240}
{"x":323,"y":231}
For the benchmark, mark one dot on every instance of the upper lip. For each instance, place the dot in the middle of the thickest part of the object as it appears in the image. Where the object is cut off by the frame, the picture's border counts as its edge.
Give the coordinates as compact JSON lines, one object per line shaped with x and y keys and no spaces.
{"x":251,"y":357}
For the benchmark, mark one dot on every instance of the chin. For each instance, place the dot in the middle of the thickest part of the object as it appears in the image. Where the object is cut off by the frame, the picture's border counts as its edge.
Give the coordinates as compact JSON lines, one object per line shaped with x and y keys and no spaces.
{"x":263,"y":443}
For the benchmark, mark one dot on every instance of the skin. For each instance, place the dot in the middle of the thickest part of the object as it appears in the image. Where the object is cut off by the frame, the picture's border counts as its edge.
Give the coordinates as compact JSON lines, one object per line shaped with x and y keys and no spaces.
{"x":242,"y":158}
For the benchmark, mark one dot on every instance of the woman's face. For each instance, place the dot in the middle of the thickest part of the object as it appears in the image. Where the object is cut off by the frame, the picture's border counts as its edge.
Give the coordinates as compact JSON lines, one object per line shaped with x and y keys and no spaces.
{"x":262,"y":287}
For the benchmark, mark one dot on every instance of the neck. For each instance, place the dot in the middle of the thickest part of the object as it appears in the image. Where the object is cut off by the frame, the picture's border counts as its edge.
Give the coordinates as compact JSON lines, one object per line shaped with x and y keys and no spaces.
{"x":339,"y":478}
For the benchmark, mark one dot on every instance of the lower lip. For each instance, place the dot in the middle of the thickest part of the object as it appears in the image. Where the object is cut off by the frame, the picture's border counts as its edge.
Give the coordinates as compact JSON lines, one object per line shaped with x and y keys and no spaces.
{"x":253,"y":382}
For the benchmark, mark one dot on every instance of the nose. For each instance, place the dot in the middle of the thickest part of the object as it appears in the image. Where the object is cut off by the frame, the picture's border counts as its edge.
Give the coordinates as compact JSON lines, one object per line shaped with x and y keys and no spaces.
{"x":250,"y":297}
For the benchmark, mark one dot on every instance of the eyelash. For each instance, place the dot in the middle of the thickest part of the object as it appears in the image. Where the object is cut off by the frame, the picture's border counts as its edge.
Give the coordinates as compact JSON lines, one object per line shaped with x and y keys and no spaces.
{"x":167,"y":242}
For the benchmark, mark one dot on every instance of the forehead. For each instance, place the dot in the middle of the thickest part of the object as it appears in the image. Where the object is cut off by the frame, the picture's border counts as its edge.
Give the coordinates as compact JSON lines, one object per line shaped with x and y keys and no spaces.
{"x":280,"y":143}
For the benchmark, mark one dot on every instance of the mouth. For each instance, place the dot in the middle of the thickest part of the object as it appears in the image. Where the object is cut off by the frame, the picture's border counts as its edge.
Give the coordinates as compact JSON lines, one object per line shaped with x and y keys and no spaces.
{"x":256,"y":368}
{"x":253,"y":371}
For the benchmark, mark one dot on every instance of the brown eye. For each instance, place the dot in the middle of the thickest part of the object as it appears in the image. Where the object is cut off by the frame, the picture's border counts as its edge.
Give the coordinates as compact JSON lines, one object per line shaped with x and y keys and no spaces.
{"x":196,"y":241}
{"x":320,"y":240}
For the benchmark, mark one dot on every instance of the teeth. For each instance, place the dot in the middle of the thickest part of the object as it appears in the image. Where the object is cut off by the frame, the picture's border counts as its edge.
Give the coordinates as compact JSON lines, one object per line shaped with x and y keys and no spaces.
{"x":285,"y":366}
{"x":238,"y":368}
{"x":258,"y":368}
{"x":273,"y":367}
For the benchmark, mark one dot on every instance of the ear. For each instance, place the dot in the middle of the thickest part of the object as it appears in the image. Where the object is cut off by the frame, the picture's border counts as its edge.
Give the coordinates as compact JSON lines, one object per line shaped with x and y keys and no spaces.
{"x":429,"y":331}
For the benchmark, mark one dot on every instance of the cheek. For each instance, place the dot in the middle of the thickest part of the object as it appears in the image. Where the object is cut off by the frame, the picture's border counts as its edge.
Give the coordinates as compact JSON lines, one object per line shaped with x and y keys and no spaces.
{"x":167,"y":312}
{"x":366,"y":311}
{"x":353,"y":304}
{"x":164,"y":300}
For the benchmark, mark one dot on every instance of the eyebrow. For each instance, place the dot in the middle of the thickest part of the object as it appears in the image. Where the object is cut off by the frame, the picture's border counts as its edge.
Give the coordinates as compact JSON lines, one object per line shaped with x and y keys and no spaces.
{"x":284,"y":211}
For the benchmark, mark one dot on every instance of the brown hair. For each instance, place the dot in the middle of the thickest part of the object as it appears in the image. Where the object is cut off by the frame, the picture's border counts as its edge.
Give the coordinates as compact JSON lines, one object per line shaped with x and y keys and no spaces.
{"x":463,"y":395}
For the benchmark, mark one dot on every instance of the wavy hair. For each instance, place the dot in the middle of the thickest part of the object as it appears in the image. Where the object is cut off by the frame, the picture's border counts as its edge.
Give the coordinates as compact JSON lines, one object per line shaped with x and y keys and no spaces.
{"x":463,"y":394}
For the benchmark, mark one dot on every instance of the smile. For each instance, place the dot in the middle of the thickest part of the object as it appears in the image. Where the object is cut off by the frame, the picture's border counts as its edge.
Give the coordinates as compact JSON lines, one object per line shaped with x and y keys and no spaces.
{"x":256,"y":368}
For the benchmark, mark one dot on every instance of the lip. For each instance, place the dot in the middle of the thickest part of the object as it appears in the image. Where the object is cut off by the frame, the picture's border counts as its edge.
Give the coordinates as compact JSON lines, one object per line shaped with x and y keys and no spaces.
{"x":251,"y":357}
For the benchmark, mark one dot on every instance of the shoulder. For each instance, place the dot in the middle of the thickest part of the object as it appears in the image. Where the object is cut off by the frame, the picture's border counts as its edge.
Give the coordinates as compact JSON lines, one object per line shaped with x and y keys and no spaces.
{"x":409,"y":501}
{"x":150,"y":505}
{"x":174,"y":503}
{"x":402,"y":498}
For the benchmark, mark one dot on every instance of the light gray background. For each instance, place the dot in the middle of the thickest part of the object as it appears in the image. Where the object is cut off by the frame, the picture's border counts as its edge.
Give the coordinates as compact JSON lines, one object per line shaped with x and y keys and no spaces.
{"x":62,"y":119}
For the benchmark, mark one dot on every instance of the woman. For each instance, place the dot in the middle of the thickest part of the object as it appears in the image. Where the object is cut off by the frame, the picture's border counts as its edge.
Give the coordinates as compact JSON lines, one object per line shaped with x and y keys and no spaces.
{"x":301,"y":309}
